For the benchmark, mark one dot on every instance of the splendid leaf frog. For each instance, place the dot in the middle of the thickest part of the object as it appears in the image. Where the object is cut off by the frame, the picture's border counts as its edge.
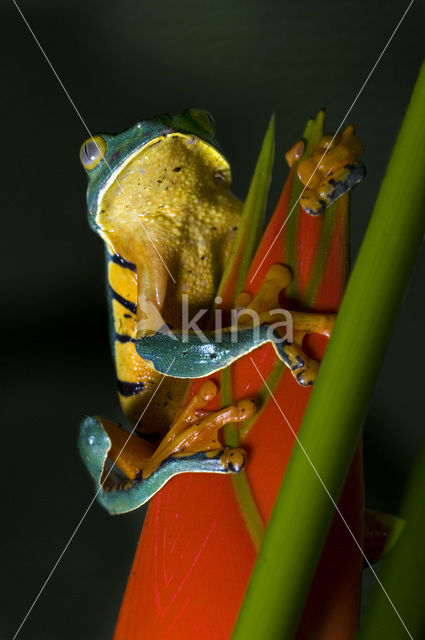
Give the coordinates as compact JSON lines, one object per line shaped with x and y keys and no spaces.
{"x":159,"y":197}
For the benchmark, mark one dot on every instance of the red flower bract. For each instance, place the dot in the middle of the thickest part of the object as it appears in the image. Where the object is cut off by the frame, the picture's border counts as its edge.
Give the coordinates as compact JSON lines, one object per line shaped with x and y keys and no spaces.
{"x":202,"y":532}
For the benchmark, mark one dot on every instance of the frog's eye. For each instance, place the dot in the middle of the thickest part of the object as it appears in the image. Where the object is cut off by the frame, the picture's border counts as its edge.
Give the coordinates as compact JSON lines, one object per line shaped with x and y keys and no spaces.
{"x":203,"y":119}
{"x":92,"y":152}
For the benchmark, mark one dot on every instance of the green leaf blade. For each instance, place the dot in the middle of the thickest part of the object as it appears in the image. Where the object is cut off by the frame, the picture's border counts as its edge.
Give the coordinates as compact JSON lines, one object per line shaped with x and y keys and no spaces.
{"x":332,"y":423}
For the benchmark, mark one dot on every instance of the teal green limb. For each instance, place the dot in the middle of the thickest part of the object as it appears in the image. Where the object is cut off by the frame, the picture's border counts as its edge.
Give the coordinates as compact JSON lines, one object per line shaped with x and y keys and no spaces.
{"x":196,"y":355}
{"x":402,"y":571}
{"x":332,"y":423}
{"x":94,"y":445}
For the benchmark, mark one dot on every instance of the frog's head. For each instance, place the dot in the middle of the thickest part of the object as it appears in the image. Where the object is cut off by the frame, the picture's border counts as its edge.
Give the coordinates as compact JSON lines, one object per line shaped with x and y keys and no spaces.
{"x":158,"y":195}
{"x":104,"y":156}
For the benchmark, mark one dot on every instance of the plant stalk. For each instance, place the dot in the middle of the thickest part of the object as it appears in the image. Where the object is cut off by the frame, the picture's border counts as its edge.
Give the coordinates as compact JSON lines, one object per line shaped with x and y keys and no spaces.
{"x":333,"y":420}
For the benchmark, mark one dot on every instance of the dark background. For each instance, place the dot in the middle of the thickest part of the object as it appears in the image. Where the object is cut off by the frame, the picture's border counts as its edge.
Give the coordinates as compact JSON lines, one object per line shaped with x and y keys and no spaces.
{"x":121,"y":62}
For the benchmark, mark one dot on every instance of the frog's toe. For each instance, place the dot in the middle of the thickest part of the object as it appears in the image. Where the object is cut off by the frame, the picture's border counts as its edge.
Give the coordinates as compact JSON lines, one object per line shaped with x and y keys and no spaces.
{"x":308,"y":374}
{"x":303,"y":368}
{"x":311,"y":204}
{"x":344,"y":180}
{"x":315,"y":200}
{"x":233,"y":460}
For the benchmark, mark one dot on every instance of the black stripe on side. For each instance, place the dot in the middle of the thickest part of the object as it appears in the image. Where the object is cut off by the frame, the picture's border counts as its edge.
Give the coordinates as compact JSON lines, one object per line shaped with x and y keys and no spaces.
{"x":129,"y":388}
{"x":125,"y":303}
{"x":117,"y":259}
{"x":123,"y":338}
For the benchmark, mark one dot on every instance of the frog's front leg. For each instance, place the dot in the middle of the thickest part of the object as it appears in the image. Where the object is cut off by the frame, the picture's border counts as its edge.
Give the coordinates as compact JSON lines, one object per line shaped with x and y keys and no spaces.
{"x":198,"y":354}
{"x":191,"y":445}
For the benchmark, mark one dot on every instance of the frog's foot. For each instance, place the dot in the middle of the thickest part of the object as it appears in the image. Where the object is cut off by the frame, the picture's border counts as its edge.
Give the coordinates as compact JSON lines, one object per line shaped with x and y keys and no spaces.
{"x":195,"y":431}
{"x":278,"y":277}
{"x":266,"y":305}
{"x":191,"y":445}
{"x":331,"y":170}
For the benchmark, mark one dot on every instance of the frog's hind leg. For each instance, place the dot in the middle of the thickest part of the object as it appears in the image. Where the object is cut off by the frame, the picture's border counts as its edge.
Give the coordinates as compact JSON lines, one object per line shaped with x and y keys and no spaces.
{"x":131,"y":494}
{"x":191,"y":445}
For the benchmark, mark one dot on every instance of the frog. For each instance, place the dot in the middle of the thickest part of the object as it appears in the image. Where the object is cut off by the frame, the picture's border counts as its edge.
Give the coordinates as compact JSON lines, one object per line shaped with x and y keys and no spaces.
{"x":159,"y":197}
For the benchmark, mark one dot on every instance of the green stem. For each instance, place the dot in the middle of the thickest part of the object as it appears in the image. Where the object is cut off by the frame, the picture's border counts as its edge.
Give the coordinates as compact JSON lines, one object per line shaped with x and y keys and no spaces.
{"x":402,"y":572}
{"x":332,"y":423}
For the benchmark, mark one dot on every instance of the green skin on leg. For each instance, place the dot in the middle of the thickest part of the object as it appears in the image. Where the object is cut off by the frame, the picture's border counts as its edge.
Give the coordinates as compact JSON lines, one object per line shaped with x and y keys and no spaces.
{"x":193,"y":358}
{"x":194,"y":355}
{"x":94,"y":445}
{"x":170,"y":353}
